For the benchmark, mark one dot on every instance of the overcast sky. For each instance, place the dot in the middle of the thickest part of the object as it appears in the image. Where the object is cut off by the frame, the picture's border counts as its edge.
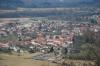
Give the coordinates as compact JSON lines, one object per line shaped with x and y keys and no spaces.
{"x":40,"y":3}
{"x":68,"y":1}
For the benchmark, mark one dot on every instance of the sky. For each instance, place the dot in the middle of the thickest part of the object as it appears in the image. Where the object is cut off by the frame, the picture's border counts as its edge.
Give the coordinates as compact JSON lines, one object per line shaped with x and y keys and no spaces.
{"x":30,"y":1}
{"x":40,"y":3}
{"x":54,"y":1}
{"x":50,"y":1}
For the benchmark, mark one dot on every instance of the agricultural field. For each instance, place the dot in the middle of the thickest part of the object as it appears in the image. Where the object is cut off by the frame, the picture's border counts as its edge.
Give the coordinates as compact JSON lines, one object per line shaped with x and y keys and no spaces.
{"x":26,"y":60}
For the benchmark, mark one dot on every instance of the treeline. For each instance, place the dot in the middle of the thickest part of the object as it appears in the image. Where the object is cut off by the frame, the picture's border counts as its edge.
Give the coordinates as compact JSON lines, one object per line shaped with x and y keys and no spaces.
{"x":89,"y":45}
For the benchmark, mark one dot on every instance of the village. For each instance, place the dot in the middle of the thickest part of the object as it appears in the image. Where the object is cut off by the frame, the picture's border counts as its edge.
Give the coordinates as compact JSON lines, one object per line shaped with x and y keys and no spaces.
{"x":49,"y":33}
{"x":51,"y":38}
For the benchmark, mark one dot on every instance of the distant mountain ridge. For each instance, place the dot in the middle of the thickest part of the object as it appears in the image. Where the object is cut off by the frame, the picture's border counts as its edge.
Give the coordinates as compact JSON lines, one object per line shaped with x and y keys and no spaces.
{"x":13,"y":4}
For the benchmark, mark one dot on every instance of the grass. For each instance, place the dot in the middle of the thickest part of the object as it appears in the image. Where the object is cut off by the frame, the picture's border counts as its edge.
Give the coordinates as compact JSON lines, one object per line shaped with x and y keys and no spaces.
{"x":25,"y":60}
{"x":8,"y":38}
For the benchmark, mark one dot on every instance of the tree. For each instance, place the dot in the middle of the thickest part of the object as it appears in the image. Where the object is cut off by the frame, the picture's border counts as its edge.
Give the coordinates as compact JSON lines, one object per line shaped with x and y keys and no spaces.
{"x":94,"y":38}
{"x":64,"y":51}
{"x":89,"y":36}
{"x":93,"y":21}
{"x":97,"y":53}
{"x":51,"y":49}
{"x":87,"y":51}
{"x":97,"y":41}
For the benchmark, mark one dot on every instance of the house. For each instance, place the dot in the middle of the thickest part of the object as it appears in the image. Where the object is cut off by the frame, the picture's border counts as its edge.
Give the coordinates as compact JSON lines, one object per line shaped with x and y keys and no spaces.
{"x":4,"y":44}
{"x":33,"y":42}
{"x":3,"y":33}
